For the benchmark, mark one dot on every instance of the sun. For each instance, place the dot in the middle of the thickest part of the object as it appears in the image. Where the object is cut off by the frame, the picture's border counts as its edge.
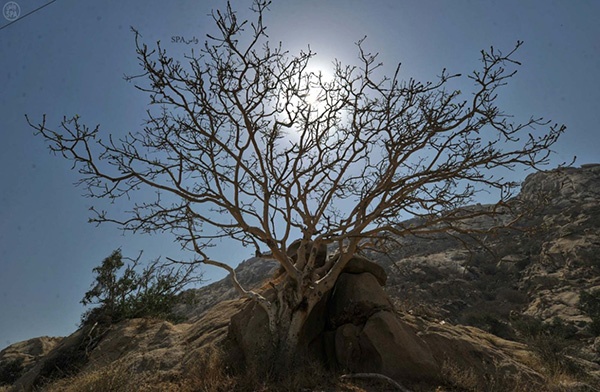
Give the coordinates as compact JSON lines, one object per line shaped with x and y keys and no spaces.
{"x":320,"y":75}
{"x":310,"y":99}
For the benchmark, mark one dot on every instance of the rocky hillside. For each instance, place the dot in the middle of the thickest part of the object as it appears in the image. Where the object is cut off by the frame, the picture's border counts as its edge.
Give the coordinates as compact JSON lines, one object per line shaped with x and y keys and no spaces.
{"x":520,"y":284}
{"x":537,"y":269}
{"x":526,"y":299}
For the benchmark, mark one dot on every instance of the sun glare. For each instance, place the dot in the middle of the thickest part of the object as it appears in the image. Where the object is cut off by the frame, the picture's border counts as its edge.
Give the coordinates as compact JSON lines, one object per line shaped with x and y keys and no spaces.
{"x":325,"y":73}
{"x":319,"y":74}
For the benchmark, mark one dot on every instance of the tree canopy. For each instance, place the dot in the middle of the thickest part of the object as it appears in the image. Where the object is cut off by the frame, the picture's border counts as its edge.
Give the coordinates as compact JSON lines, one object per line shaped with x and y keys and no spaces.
{"x":238,"y":147}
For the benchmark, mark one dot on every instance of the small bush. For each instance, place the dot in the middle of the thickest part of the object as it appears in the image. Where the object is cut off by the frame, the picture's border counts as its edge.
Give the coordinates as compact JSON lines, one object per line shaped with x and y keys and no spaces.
{"x":549,"y":341}
{"x":131,"y":294}
{"x":512,"y":296}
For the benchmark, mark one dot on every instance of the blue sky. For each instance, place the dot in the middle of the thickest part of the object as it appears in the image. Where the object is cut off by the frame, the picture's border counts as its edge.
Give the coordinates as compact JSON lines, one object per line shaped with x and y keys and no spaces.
{"x":70,"y":57}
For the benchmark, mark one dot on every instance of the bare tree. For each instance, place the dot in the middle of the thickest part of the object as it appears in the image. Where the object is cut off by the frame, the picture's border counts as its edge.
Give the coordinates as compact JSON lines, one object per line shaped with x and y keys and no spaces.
{"x":240,"y":148}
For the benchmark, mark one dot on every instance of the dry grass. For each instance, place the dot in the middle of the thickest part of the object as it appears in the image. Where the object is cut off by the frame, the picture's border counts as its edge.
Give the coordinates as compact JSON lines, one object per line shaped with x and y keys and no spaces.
{"x":465,"y":380}
{"x":209,"y":373}
{"x":117,"y":377}
{"x":111,"y":378}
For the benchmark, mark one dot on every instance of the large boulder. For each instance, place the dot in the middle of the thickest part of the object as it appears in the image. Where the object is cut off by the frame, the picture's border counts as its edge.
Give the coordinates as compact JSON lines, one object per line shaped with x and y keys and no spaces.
{"x":249,"y":335}
{"x":355,"y":298}
{"x":366,"y":335}
{"x":356,"y":328}
{"x":385,"y":345}
{"x":359,"y":265}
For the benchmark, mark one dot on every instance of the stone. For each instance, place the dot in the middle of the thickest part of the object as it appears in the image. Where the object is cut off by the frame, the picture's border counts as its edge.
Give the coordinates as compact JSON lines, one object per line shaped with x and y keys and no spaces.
{"x":369,"y":337}
{"x":30,"y":350}
{"x":355,"y":298}
{"x":384,"y":345}
{"x":396,"y":347}
{"x":249,"y":329}
{"x":469,"y":349}
{"x":359,"y":265}
{"x":347,"y":348}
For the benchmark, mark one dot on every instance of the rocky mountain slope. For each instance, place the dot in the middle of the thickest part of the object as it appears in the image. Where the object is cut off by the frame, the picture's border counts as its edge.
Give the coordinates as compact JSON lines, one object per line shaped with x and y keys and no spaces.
{"x":526,"y":298}
{"x":538,"y":270}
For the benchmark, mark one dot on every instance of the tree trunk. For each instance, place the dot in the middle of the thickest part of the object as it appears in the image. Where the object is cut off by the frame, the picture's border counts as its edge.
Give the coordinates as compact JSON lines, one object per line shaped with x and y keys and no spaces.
{"x":287,"y":342}
{"x":287,"y":321}
{"x":288,"y":304}
{"x":295,"y":301}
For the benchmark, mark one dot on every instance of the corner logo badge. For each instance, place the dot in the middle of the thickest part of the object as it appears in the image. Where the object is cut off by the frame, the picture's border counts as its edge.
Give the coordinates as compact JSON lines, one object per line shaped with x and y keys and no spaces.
{"x":11,"y":11}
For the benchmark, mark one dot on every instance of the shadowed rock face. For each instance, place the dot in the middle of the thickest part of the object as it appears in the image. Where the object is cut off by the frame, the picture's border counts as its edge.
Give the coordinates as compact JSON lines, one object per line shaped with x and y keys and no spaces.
{"x":366,"y":335}
{"x":358,"y":330}
{"x":434,"y":283}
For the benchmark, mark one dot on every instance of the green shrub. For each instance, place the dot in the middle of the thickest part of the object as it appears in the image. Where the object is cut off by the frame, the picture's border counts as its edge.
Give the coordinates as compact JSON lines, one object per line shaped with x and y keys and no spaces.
{"x":132,"y":294}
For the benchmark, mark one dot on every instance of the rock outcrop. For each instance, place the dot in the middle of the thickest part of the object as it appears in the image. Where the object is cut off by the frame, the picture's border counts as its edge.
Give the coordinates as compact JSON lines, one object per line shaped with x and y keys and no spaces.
{"x":362,"y":333}
{"x":155,"y":351}
{"x":522,"y":284}
{"x":21,"y":357}
{"x":506,"y":307}
{"x":251,"y":273}
{"x":366,"y":335}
